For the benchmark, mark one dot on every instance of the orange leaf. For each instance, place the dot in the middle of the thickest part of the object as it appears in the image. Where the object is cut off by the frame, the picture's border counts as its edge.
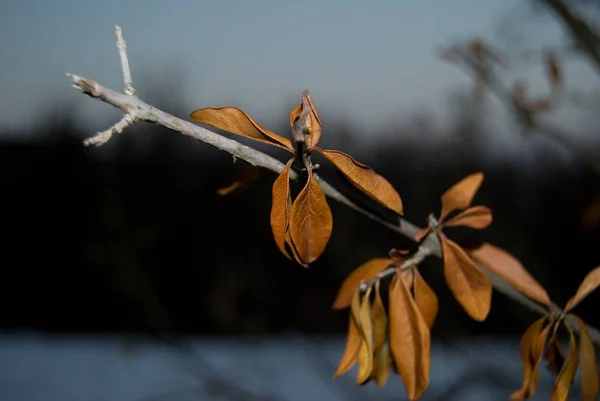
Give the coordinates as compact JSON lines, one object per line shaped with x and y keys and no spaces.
{"x":425,"y":298}
{"x":311,"y":221}
{"x":587,"y":286}
{"x":532,"y":346}
{"x":292,"y":247}
{"x":409,"y":339}
{"x":461,"y":194}
{"x":562,"y":384}
{"x":470,"y":286}
{"x":365,"y":179}
{"x":280,"y":208}
{"x":380,"y":353}
{"x":235,"y":121}
{"x":310,"y":131}
{"x":366,"y":271}
{"x":477,"y":217}
{"x":554,"y":354}
{"x":365,"y":352}
{"x":351,"y":351}
{"x":590,"y":381}
{"x":503,"y":264}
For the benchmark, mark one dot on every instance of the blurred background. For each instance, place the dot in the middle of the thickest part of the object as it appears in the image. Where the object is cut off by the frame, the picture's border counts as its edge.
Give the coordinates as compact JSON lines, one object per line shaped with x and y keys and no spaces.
{"x":126,"y":276}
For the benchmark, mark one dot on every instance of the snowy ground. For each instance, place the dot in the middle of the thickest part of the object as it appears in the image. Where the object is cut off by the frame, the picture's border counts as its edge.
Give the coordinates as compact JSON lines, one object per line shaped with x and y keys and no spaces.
{"x":290,"y":368}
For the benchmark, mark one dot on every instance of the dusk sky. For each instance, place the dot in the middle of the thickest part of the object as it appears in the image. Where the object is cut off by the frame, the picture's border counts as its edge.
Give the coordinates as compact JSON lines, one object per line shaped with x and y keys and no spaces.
{"x":371,"y":61}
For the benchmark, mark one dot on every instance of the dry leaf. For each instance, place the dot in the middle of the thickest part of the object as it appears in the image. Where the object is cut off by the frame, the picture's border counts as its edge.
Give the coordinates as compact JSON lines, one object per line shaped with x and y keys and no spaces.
{"x":590,"y":381}
{"x":384,"y":364}
{"x":281,"y":205}
{"x":470,"y":286}
{"x":235,"y":121}
{"x":477,"y":217}
{"x":460,"y":195}
{"x":364,"y":179}
{"x":503,"y":264}
{"x":409,"y":339}
{"x":292,"y":247}
{"x":365,"y":352}
{"x":366,"y":271}
{"x":554,"y":355}
{"x":310,"y":132}
{"x":246,"y":177}
{"x":311,"y":221}
{"x":380,"y":353}
{"x":532,"y":346}
{"x":351,"y":351}
{"x":563,"y":382}
{"x":587,"y":286}
{"x":425,"y":298}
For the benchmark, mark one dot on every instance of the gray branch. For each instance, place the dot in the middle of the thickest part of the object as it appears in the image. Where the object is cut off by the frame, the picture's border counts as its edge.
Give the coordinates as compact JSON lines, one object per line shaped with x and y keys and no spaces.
{"x":135,"y":109}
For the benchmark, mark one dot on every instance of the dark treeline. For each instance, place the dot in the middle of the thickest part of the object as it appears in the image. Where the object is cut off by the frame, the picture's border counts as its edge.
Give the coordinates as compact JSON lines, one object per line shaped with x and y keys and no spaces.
{"x":118,"y":239}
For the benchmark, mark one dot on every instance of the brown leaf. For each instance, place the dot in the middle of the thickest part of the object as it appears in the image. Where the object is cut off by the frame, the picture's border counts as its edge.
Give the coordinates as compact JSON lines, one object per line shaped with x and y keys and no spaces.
{"x":246,"y":177}
{"x":554,"y":355}
{"x":503,"y":264}
{"x":460,"y":195}
{"x":307,"y":116}
{"x":365,"y":352}
{"x":365,"y":179}
{"x":311,"y":221}
{"x":366,"y":271}
{"x":380,"y":354}
{"x":425,"y":298}
{"x":351,"y":351}
{"x":590,"y":380}
{"x":563,"y":382}
{"x":587,"y":286}
{"x":235,"y":121}
{"x":470,"y":286}
{"x":281,"y":204}
{"x":409,"y":339}
{"x":292,"y":247}
{"x":532,"y":346}
{"x":477,"y":217}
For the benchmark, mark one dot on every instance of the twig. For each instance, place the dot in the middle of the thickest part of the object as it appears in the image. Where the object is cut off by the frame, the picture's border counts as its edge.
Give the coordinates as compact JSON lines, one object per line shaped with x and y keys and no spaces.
{"x":122,"y":46}
{"x":137,"y":110}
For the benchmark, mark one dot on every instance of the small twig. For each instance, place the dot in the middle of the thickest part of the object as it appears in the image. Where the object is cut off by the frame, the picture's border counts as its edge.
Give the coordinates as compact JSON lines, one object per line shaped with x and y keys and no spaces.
{"x":141,"y":111}
{"x":122,"y":46}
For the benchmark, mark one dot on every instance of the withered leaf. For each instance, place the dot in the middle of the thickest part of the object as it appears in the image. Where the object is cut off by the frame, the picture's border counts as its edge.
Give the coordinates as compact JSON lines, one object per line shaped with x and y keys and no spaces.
{"x":590,"y":380}
{"x":554,"y":355}
{"x":409,"y":339}
{"x":311,"y":221}
{"x":477,"y":217}
{"x":248,"y":176}
{"x":564,"y":380}
{"x":365,"y":351}
{"x":353,"y":342}
{"x":236,"y":121}
{"x":532,"y":346}
{"x":470,"y":286}
{"x":311,"y":126}
{"x":380,"y":353}
{"x":425,"y":298}
{"x":384,"y":364}
{"x":365,"y":179}
{"x":502,"y":263}
{"x":366,"y":271}
{"x":461,"y":194}
{"x":587,"y":286}
{"x":280,"y":208}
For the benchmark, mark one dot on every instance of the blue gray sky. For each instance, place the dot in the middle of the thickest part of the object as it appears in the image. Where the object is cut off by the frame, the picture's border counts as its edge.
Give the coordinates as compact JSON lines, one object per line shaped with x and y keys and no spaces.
{"x":371,"y":61}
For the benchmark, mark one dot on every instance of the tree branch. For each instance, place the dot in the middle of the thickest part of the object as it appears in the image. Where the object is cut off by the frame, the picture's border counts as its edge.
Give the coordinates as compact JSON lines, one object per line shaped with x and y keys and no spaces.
{"x":135,"y":109}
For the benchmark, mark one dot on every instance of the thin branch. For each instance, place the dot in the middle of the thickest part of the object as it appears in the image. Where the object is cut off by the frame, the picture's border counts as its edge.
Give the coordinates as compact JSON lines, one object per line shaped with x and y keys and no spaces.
{"x":122,"y":46}
{"x":137,"y":110}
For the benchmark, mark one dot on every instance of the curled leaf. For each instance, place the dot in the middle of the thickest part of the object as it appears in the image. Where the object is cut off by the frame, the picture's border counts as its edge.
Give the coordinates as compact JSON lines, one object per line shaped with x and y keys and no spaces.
{"x":532,"y":346}
{"x":366,"y":271}
{"x":236,"y":121}
{"x":351,"y":351}
{"x":460,"y":195}
{"x":425,"y":298}
{"x":305,"y":122}
{"x":409,"y":339}
{"x":365,"y":351}
{"x":590,"y":380}
{"x":477,"y":217}
{"x":564,"y":380}
{"x":554,"y":355}
{"x":587,"y":286}
{"x":503,"y":264}
{"x":380,"y":350}
{"x":365,"y":179}
{"x":470,"y":286}
{"x":311,"y":222}
{"x":281,"y":206}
